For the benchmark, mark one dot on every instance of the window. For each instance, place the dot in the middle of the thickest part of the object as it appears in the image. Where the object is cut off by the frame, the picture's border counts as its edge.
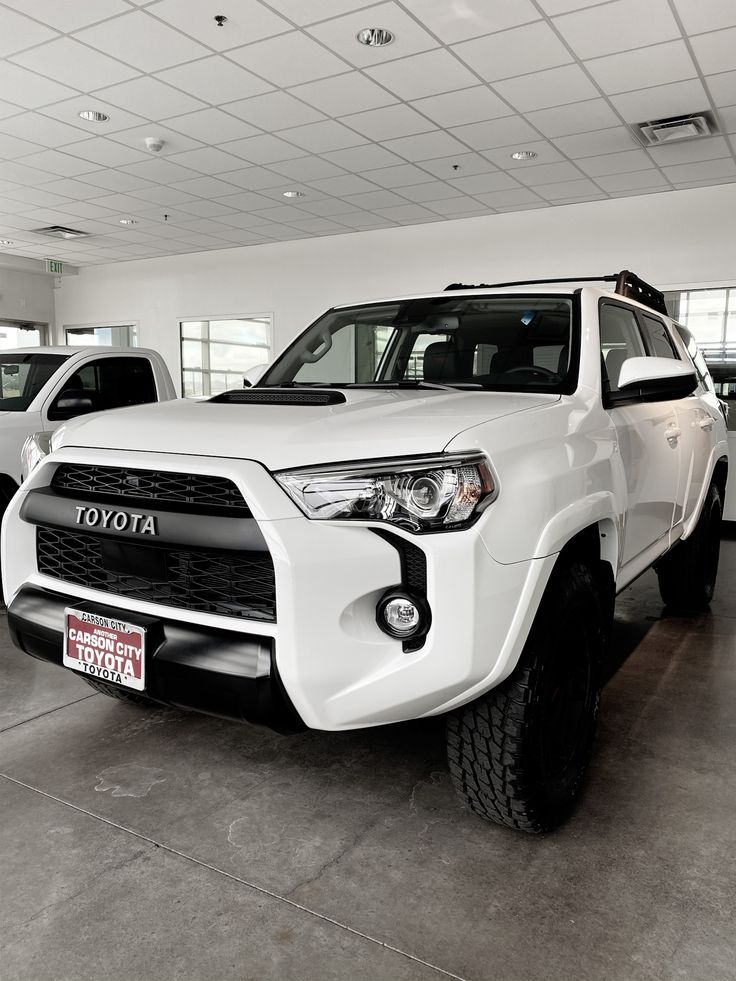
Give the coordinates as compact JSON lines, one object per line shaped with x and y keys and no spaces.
{"x":709,"y":314}
{"x":215,"y":354}
{"x":112,"y":383}
{"x":659,"y":340}
{"x":22,"y":376}
{"x":620,"y":340}
{"x":124,"y":335}
{"x":13,"y":335}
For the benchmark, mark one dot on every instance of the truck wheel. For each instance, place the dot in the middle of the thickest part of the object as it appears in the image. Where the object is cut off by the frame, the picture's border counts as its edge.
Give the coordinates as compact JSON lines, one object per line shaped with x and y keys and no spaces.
{"x":112,"y":691}
{"x":687,"y":574}
{"x":518,"y":755}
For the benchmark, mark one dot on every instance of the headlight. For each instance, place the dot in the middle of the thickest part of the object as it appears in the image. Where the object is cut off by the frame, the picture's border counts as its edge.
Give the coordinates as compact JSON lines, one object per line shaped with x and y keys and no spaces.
{"x":35,"y":448}
{"x":427,"y":494}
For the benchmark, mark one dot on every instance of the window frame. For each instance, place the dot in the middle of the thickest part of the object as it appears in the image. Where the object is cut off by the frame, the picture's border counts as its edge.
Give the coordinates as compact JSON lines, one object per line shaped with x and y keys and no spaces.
{"x":205,"y":370}
{"x":130,"y":325}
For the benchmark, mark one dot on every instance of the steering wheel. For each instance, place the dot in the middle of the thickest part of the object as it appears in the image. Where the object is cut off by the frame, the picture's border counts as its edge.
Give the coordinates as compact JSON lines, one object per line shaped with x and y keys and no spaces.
{"x":533,"y":369}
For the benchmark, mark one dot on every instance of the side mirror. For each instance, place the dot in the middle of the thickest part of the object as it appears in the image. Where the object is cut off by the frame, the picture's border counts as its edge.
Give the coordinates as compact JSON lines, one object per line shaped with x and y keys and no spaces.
{"x":254,"y":374}
{"x":655,"y":379}
{"x":70,"y":404}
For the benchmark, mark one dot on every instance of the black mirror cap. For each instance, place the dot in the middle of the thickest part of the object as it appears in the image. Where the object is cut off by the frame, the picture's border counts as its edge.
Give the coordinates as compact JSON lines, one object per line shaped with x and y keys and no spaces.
{"x":70,"y":404}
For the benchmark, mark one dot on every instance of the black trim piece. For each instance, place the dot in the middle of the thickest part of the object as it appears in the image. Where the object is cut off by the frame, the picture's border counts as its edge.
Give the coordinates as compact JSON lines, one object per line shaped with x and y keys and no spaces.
{"x":279,"y":396}
{"x":413,"y":562}
{"x":218,"y":672}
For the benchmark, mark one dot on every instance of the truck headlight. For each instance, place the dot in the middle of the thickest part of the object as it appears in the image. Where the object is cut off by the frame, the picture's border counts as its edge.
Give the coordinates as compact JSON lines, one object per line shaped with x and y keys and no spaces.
{"x":421,"y":494}
{"x":35,"y":448}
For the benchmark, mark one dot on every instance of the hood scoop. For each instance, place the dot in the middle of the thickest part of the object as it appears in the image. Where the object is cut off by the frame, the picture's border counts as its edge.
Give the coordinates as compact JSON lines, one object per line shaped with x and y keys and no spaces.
{"x":280,"y":396}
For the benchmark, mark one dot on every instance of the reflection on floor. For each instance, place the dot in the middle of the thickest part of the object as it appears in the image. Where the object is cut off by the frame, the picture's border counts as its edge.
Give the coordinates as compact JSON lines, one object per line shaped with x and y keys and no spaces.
{"x":138,"y":844}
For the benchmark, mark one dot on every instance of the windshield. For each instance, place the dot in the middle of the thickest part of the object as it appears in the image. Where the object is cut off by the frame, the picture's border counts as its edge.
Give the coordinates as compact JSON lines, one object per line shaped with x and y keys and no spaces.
{"x":22,"y":376}
{"x":518,"y":343}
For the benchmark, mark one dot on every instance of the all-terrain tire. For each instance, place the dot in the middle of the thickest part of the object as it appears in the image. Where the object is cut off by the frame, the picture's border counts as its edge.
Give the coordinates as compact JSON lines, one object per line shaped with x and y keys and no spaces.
{"x":121,"y":694}
{"x":687,"y":574}
{"x":518,"y":754}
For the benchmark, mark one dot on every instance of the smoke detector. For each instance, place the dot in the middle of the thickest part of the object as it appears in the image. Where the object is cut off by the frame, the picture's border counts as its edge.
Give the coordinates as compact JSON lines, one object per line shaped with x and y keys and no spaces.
{"x":154,"y":143}
{"x":59,"y":231}
{"x":674,"y":129}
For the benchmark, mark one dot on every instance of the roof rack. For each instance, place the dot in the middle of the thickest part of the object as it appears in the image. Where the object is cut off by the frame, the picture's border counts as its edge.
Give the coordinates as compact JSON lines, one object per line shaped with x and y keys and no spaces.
{"x":627,"y":284}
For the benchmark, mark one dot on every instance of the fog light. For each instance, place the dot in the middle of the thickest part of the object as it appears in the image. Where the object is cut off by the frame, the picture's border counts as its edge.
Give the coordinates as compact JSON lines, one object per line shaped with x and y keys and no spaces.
{"x":401,"y":616}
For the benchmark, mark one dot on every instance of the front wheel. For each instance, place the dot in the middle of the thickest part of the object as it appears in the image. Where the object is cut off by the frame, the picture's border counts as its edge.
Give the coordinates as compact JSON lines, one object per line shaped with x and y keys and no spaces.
{"x":687,"y":574}
{"x":518,"y":755}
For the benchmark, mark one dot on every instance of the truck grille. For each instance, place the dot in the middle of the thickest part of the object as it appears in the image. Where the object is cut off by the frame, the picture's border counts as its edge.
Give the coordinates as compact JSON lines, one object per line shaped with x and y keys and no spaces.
{"x":233,"y":584}
{"x":189,"y":492}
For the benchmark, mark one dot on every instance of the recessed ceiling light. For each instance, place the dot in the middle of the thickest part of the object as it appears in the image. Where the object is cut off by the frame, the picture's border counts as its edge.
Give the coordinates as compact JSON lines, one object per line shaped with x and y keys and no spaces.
{"x":523,"y":155}
{"x":126,"y":221}
{"x":294,"y":194}
{"x":92,"y":116}
{"x":375,"y":37}
{"x":5,"y":241}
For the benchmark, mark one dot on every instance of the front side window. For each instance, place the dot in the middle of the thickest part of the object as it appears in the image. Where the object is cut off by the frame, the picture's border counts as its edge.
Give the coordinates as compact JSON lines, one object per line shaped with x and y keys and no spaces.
{"x":111,"y":383}
{"x":22,"y":376}
{"x":620,"y":340}
{"x":498,"y":343}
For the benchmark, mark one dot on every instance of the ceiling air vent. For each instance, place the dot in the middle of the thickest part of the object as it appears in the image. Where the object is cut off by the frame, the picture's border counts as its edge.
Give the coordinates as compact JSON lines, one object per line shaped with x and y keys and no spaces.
{"x":657,"y":132}
{"x":59,"y":231}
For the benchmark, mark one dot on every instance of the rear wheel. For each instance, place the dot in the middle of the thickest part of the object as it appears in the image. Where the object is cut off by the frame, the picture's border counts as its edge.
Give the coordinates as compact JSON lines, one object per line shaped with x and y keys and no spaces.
{"x":121,"y":694}
{"x":519,"y":753}
{"x":687,"y":574}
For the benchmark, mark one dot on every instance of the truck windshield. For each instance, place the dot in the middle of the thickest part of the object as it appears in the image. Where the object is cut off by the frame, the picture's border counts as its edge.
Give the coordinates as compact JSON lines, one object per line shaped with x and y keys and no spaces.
{"x":22,"y":376}
{"x":517,"y":343}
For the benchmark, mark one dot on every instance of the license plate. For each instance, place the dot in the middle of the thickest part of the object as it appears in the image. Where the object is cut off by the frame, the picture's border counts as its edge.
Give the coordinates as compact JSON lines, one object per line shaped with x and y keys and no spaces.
{"x":106,"y":649}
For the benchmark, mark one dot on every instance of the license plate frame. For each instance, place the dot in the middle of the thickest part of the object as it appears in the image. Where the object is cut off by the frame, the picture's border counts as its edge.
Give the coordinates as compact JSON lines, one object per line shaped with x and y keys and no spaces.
{"x":105,"y":648}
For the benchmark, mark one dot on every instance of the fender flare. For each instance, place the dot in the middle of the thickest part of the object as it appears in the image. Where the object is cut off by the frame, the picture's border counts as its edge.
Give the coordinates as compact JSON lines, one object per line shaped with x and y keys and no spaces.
{"x":718,"y":453}
{"x":597,"y":508}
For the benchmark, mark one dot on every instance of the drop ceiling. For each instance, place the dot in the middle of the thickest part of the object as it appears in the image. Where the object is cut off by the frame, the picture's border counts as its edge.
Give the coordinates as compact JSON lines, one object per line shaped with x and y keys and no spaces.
{"x":283,"y":98}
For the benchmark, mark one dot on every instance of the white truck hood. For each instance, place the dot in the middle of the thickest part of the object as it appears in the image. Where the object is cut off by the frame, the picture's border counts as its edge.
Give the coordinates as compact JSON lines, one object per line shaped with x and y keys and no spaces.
{"x":371,"y":424}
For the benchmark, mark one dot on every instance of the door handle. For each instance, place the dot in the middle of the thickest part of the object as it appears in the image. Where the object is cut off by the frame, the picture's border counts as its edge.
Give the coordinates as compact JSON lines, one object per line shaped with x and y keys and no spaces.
{"x":672,"y":433}
{"x":706,"y":423}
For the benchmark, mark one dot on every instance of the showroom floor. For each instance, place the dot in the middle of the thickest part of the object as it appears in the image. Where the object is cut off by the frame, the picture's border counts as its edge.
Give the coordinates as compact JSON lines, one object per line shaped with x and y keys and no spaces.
{"x":155,"y":844}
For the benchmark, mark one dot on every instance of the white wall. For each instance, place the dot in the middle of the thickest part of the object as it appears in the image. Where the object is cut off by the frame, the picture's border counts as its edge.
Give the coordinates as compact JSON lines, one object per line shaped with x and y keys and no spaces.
{"x":26,"y":296}
{"x":678,"y":238}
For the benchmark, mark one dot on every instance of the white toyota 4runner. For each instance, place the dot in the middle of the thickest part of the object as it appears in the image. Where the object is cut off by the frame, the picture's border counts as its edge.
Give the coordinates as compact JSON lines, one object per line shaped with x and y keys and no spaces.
{"x":425,"y":506}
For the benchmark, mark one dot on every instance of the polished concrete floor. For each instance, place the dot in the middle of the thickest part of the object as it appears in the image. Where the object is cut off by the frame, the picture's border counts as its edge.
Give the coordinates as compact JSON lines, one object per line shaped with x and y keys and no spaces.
{"x":138,"y":844}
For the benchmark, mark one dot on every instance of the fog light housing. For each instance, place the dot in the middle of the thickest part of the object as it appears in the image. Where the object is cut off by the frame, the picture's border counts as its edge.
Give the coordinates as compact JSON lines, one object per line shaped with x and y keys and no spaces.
{"x":401,"y":615}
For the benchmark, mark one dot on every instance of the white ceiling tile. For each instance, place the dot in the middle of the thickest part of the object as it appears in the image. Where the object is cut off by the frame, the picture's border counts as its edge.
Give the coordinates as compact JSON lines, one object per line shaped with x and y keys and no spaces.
{"x":37,"y":197}
{"x":703,"y":170}
{"x":364,"y":219}
{"x":69,"y":15}
{"x":245,"y":201}
{"x":706,"y":183}
{"x":135,"y":139}
{"x":482,"y":183}
{"x":615,"y":163}
{"x":499,"y":132}
{"x":430,"y":73}
{"x":215,"y":80}
{"x":377,"y":199}
{"x":247,"y":21}
{"x":326,"y":207}
{"x":322,"y":137}
{"x":728,"y":119}
{"x":16,"y":170}
{"x":461,"y":207}
{"x":170,"y":196}
{"x":341,"y":187}
{"x":30,"y":90}
{"x":206,"y":160}
{"x":602,"y":141}
{"x":715,"y":51}
{"x":309,"y":13}
{"x":431,"y":191}
{"x":554,"y":7}
{"x":41,"y":129}
{"x":11,"y":147}
{"x":609,"y":28}
{"x":369,"y":156}
{"x":18,"y":32}
{"x":403,"y":175}
{"x":690,"y":151}
{"x":11,"y":206}
{"x":471,"y":105}
{"x":546,"y":154}
{"x":658,"y":64}
{"x":115,"y":180}
{"x":70,"y":188}
{"x":631,"y":181}
{"x":567,"y":189}
{"x":276,"y":110}
{"x":124,"y":203}
{"x":406,"y":212}
{"x":385,"y":124}
{"x":722,"y":88}
{"x":677,"y":98}
{"x":307,"y":169}
{"x":60,"y":164}
{"x":150,"y":98}
{"x":499,"y":199}
{"x":67,"y":111}
{"x":71,"y":63}
{"x":8,"y":109}
{"x":146,"y":43}
{"x":319,"y":226}
{"x":342,"y":94}
{"x":289,"y":59}
{"x":554,"y":87}
{"x":281,"y":212}
{"x":253,"y":178}
{"x":458,"y":21}
{"x":211,"y":126}
{"x":580,"y":117}
{"x":458,"y":165}
{"x":706,"y":15}
{"x":159,"y":171}
{"x":516,"y":52}
{"x":242,"y":220}
{"x":339,"y":35}
{"x":425,"y":146}
{"x":264,"y":149}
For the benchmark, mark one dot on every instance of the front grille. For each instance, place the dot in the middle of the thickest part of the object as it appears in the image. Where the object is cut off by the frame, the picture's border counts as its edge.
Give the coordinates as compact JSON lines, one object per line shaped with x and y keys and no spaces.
{"x":233,"y":584}
{"x":189,"y":492}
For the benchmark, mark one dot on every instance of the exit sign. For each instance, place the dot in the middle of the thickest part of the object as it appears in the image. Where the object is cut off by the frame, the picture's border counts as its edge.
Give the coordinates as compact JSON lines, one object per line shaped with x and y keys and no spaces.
{"x":55,"y":266}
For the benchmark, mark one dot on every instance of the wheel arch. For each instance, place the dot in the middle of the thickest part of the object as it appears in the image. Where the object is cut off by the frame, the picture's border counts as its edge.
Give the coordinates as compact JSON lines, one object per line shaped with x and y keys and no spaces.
{"x":8,"y":487}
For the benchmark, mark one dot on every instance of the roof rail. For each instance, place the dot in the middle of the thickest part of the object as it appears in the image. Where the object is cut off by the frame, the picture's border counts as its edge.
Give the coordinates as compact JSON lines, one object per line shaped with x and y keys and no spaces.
{"x":627,"y":284}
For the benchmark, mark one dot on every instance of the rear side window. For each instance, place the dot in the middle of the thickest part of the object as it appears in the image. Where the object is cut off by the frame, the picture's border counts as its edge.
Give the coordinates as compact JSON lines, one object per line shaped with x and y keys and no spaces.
{"x":658,"y":339}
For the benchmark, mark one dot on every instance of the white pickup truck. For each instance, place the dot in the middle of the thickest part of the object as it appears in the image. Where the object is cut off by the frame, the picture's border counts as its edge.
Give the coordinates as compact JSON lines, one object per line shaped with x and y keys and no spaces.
{"x":426,"y":506}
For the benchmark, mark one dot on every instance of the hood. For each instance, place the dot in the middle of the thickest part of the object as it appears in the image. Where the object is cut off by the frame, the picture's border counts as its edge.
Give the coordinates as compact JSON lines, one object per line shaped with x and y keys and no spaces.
{"x":370,"y":424}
